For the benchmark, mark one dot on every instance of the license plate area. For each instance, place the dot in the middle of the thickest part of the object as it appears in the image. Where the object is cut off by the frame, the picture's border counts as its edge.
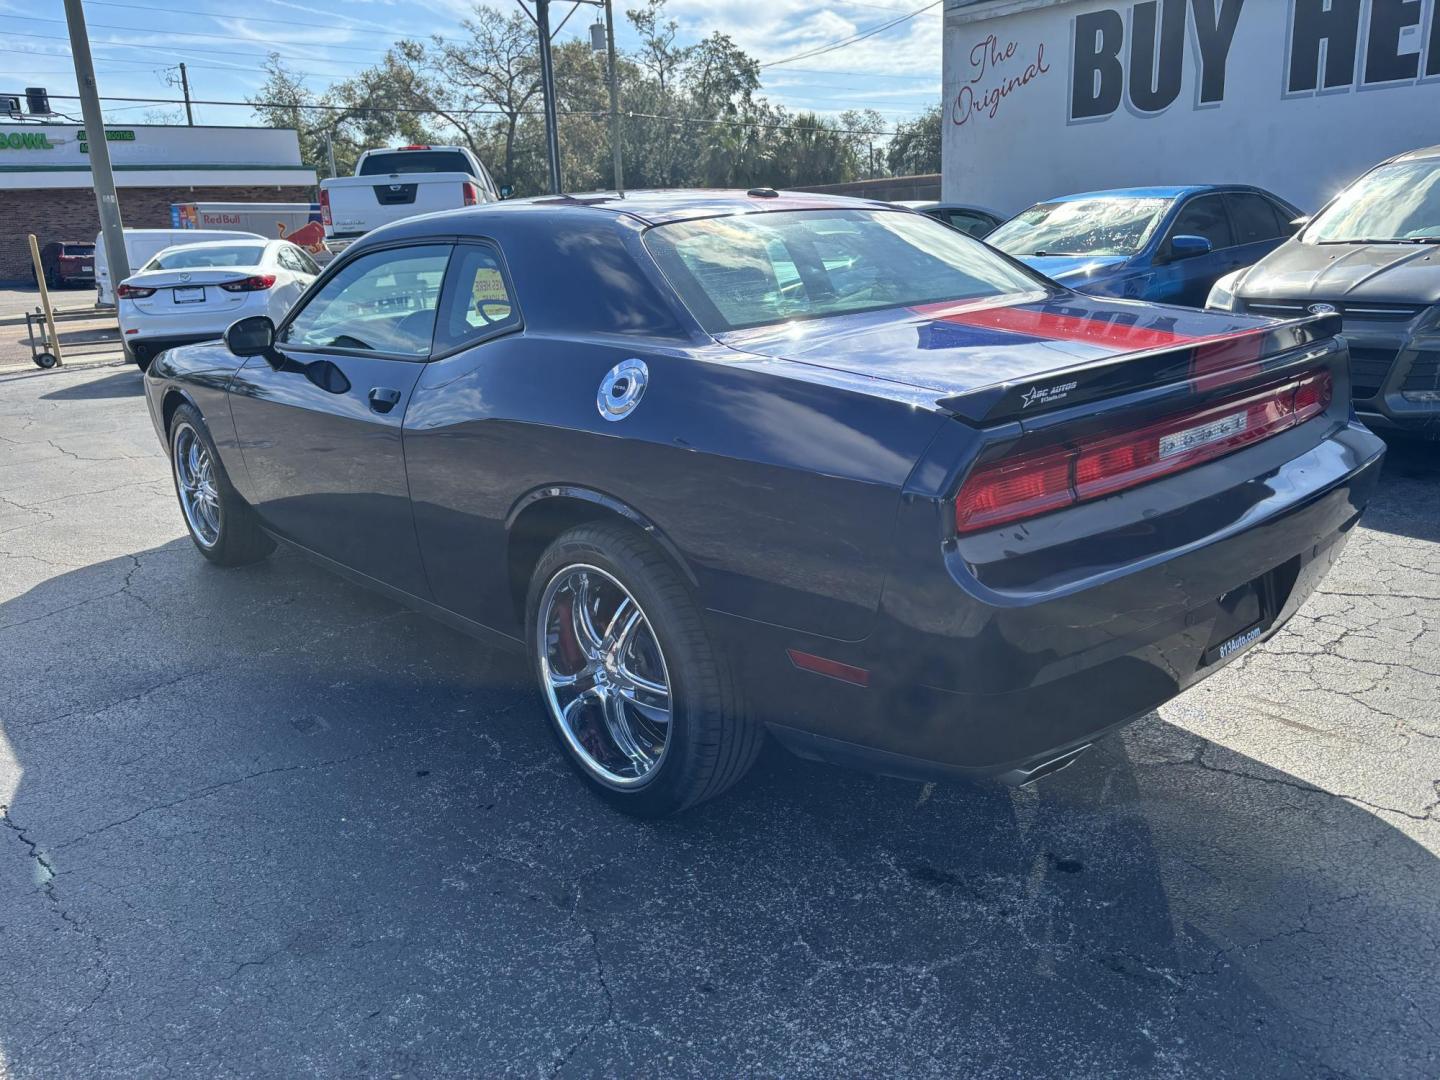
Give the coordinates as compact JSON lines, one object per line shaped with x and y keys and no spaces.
{"x":1243,"y":614}
{"x":190,"y":294}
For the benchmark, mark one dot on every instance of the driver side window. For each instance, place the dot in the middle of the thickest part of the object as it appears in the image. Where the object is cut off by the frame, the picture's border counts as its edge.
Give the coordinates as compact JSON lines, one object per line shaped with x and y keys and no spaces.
{"x":381,"y":302}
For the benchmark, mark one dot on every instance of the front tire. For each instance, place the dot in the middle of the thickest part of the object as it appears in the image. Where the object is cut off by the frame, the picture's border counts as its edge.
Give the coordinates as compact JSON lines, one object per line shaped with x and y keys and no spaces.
{"x":221,"y":523}
{"x":642,"y":704}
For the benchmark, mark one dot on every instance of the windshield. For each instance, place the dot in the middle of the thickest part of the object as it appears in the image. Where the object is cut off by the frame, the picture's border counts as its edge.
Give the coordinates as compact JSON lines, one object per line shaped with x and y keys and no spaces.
{"x":1100,"y":226}
{"x":755,"y":269}
{"x":414,"y":161}
{"x":190,"y":258}
{"x":1398,"y":203}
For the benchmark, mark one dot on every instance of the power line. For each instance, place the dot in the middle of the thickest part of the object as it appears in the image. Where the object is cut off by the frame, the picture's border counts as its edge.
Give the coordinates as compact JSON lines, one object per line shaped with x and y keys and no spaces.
{"x":852,"y":39}
{"x":170,"y":50}
{"x":359,"y":24}
{"x":219,"y":37}
{"x":319,"y":107}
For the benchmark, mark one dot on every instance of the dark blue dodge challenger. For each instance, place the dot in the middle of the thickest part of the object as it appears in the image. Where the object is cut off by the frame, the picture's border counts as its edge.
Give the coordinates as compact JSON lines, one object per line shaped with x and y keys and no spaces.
{"x":731,"y":463}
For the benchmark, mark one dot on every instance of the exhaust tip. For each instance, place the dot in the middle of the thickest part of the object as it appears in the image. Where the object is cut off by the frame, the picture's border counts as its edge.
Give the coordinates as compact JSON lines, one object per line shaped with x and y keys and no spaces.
{"x":1028,"y":774}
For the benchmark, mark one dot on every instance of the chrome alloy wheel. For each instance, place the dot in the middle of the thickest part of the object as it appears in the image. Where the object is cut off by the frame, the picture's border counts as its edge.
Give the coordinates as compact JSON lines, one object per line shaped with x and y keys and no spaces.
{"x":604,"y":675}
{"x":196,"y":482}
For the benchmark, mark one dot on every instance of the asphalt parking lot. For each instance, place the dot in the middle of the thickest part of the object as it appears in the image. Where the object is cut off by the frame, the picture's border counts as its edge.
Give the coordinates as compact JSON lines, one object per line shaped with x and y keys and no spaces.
{"x":261,"y":822}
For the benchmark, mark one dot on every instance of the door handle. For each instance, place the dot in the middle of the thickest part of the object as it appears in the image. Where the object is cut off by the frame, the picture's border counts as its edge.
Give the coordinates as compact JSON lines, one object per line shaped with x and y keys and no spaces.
{"x":383,"y":398}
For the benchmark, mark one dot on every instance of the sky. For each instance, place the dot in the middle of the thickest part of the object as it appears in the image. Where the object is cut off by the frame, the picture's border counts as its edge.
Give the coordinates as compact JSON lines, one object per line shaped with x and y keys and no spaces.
{"x":137,"y":43}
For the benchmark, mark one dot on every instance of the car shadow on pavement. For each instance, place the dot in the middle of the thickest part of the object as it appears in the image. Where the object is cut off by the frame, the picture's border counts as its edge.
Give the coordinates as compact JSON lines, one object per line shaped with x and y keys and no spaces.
{"x":1411,"y":484}
{"x":262,"y":822}
{"x":127,"y":383}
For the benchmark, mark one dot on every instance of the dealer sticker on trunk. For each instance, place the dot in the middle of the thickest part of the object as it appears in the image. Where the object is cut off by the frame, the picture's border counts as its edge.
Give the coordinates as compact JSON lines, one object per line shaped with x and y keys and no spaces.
{"x":1179,"y":442}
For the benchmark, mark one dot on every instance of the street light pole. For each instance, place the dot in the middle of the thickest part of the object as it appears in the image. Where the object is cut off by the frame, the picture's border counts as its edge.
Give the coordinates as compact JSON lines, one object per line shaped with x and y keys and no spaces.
{"x":103,"y":178}
{"x":547,"y":84}
{"x":185,"y":89}
{"x":614,"y":100}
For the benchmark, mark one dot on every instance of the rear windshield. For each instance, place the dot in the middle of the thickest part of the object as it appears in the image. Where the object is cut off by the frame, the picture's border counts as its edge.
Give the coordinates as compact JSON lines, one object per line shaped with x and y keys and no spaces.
{"x":191,"y":258}
{"x":1395,"y":203}
{"x":1103,"y":226}
{"x":414,"y":161}
{"x":756,"y":269}
{"x":77,"y":249}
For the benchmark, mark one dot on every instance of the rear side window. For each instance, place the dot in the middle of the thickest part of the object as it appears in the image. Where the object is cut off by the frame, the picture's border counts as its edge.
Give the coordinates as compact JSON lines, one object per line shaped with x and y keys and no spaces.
{"x":381,"y":302}
{"x":1253,"y":216}
{"x":414,"y":161}
{"x":478,"y":300}
{"x":1205,"y":217}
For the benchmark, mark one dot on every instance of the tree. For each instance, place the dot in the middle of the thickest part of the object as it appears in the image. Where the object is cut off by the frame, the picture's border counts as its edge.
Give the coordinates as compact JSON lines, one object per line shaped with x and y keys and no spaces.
{"x":659,"y":54}
{"x":496,"y":67}
{"x":915,"y":147}
{"x":694,"y":115}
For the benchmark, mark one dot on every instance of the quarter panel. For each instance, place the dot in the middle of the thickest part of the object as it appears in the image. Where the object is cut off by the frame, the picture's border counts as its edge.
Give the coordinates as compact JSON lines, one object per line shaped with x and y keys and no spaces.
{"x":202,"y":373}
{"x":779,"y":493}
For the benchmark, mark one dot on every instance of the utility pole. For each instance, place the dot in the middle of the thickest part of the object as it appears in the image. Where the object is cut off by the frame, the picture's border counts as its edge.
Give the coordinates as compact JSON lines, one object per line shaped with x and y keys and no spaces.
{"x":185,"y":89}
{"x":330,"y":154}
{"x":614,"y":100}
{"x":106,"y":201}
{"x":547,"y":83}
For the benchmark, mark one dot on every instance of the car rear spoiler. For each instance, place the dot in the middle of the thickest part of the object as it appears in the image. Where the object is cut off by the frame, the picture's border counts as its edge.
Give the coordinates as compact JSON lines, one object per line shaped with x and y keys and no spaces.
{"x":1208,"y":362}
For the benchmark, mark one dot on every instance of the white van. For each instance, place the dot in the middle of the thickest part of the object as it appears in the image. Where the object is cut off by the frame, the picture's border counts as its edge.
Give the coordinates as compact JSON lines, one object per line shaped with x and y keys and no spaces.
{"x":142,"y":245}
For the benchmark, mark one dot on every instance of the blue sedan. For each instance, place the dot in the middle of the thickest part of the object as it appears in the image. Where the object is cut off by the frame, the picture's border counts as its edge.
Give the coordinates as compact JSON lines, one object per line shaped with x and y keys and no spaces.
{"x":1167,"y":245}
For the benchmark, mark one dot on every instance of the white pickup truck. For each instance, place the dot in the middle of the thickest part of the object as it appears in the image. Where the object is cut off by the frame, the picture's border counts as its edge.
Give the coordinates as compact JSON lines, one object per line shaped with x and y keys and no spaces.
{"x":392,"y":184}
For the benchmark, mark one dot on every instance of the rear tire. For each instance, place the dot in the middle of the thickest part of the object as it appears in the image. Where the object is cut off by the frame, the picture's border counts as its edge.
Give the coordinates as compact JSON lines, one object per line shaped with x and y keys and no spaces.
{"x":623,"y":582}
{"x":222,"y":525}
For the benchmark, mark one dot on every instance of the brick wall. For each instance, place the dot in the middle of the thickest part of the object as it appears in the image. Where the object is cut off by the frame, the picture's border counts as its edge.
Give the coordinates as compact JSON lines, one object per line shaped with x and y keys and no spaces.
{"x":69,"y":214}
{"x":924,"y":186}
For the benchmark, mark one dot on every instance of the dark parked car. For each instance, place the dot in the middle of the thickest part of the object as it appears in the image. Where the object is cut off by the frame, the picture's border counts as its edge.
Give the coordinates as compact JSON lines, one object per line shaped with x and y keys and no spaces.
{"x":1168,"y":245}
{"x":68,"y":262}
{"x":974,"y":221}
{"x":734,"y":463}
{"x":1373,"y":255}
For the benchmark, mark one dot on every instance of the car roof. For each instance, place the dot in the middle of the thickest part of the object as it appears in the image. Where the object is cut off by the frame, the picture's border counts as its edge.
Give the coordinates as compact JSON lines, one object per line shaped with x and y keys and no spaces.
{"x":659,"y":206}
{"x":1161,"y":191}
{"x":1418,"y":155}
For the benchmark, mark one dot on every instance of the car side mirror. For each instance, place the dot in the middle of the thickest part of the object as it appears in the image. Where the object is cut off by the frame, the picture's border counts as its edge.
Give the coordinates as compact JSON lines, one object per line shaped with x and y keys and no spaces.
{"x":252,"y":336}
{"x":1188,"y":247}
{"x":506,"y":191}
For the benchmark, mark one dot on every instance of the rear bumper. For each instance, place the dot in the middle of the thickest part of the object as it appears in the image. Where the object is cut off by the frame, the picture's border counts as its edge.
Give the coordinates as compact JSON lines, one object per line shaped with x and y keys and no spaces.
{"x":976,"y":682}
{"x":147,"y":348}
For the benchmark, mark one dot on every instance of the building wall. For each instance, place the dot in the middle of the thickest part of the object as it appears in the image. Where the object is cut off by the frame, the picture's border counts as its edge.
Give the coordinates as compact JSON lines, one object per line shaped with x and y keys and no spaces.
{"x":70,"y":214}
{"x":1053,"y":97}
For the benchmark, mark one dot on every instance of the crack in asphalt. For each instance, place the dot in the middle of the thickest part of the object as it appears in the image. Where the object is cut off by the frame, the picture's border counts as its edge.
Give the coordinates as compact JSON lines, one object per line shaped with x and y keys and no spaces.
{"x":211,"y":789}
{"x":47,"y":875}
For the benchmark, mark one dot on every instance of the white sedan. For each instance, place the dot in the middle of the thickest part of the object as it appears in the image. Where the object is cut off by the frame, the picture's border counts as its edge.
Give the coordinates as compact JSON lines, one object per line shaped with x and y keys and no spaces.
{"x":192,"y":293}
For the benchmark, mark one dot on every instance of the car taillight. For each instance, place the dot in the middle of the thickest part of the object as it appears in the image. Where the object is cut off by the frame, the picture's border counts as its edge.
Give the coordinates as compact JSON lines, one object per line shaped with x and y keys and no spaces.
{"x":471,"y":193}
{"x":325,"y":207}
{"x":133,"y":292}
{"x":414,"y":146}
{"x":1038,"y":482}
{"x":254,"y":283}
